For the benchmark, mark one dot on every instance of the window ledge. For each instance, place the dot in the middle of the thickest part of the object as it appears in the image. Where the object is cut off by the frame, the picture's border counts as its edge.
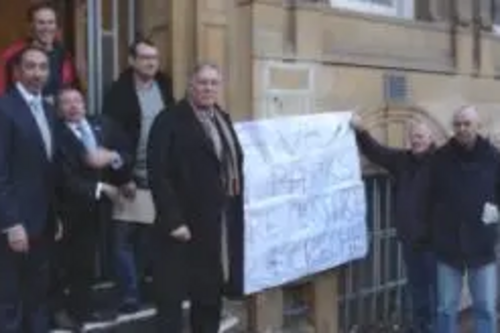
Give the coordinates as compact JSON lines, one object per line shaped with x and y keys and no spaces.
{"x":326,"y":9}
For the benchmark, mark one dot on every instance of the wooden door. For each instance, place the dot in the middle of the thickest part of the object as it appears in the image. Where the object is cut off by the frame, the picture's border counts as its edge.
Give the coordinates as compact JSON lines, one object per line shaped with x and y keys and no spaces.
{"x":14,"y":21}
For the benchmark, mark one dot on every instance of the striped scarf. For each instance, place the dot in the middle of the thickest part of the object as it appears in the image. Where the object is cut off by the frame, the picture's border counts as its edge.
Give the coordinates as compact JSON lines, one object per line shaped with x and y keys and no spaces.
{"x":231,"y":160}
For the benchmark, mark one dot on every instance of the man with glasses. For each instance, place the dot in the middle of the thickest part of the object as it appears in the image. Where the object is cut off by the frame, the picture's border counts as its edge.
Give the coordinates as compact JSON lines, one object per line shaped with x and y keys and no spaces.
{"x":133,"y":101}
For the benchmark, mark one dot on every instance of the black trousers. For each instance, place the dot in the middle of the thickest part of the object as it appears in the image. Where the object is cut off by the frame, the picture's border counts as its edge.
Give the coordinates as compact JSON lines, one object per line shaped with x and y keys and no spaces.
{"x":181,"y":273}
{"x":23,"y":288}
{"x":76,"y":259}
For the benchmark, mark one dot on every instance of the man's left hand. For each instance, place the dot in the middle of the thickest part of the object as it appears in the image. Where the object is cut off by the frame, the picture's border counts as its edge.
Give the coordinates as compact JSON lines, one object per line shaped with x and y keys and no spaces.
{"x":129,"y":190}
{"x":59,"y":231}
{"x":101,"y":158}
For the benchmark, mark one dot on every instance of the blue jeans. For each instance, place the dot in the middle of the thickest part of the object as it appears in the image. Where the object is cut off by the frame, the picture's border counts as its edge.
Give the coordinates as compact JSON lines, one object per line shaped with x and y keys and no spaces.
{"x":421,"y":275}
{"x":132,"y":258}
{"x":482,"y":284}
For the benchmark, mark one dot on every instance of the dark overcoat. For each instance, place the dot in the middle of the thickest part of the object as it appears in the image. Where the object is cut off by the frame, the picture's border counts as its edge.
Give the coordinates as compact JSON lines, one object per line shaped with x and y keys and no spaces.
{"x":185,"y":179}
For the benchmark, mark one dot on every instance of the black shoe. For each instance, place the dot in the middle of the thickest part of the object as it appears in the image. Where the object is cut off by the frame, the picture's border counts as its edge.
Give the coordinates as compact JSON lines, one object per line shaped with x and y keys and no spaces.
{"x":62,"y":320}
{"x":97,"y":317}
{"x":129,"y":306}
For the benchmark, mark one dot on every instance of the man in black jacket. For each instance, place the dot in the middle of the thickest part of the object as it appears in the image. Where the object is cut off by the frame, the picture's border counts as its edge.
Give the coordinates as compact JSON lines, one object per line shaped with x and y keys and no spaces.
{"x":463,"y":218}
{"x":410,"y":170}
{"x":94,"y":158}
{"x":133,"y":102}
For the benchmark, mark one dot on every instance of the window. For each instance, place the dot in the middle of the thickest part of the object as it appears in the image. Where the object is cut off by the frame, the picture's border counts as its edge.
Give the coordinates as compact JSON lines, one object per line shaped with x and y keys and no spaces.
{"x":496,"y":16}
{"x":397,"y":8}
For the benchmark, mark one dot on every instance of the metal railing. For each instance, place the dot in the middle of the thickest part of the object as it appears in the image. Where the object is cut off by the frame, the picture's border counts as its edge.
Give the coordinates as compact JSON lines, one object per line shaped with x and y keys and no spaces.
{"x":372,"y":289}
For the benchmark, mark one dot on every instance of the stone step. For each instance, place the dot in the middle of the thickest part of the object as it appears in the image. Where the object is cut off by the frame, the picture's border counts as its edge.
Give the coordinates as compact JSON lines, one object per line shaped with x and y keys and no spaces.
{"x":142,"y":321}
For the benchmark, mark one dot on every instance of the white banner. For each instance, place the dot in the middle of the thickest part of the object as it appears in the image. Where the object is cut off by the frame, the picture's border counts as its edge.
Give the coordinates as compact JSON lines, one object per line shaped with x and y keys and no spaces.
{"x":305,"y":206}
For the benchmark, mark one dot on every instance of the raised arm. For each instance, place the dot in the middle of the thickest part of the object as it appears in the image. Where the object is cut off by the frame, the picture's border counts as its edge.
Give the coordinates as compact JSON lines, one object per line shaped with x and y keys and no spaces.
{"x":387,"y":157}
{"x":70,"y":179}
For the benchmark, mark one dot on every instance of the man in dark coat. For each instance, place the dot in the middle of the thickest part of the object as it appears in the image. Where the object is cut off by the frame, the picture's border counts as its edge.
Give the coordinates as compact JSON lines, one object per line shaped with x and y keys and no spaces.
{"x":195,"y":172}
{"x":463,"y":219}
{"x":94,"y":156}
{"x":410,"y":169}
{"x":133,"y":102}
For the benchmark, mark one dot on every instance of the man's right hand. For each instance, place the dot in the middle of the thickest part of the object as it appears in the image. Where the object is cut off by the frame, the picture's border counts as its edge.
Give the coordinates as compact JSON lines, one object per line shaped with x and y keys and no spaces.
{"x":18,"y":239}
{"x":100,"y":158}
{"x":181,"y":233}
{"x":356,"y":122}
{"x":129,"y":190}
{"x":111,"y":192}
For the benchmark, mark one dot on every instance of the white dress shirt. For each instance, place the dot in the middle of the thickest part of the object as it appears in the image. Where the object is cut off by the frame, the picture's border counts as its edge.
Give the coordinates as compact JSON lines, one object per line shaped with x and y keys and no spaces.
{"x":84,"y":124}
{"x":35,"y":103}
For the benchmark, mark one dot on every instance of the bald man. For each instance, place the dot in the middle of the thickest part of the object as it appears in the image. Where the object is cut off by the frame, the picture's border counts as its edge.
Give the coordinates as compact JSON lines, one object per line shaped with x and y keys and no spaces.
{"x":410,"y":170}
{"x":463,"y":199}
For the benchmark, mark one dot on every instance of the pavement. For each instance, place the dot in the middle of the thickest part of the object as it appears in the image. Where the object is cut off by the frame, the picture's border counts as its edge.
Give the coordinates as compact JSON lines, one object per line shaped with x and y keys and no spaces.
{"x":234,"y":321}
{"x":142,"y":322}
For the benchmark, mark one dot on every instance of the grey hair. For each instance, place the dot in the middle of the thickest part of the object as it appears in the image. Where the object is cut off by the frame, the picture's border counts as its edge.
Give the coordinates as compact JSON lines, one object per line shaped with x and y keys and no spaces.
{"x":202,"y":66}
{"x":197,"y":69}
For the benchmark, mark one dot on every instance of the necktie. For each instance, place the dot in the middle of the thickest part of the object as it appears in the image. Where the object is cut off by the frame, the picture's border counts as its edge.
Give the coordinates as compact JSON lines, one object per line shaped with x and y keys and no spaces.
{"x":86,"y":136}
{"x":43,"y":126}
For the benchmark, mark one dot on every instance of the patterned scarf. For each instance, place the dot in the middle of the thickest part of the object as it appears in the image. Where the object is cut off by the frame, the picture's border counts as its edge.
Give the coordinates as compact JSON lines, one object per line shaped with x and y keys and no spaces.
{"x":231,"y":156}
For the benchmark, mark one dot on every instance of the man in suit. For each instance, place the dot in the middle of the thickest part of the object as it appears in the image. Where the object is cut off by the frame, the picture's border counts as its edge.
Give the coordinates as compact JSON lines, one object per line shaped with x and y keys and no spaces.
{"x":27,"y":186}
{"x":195,"y":173}
{"x":133,"y":101}
{"x":94,"y":159}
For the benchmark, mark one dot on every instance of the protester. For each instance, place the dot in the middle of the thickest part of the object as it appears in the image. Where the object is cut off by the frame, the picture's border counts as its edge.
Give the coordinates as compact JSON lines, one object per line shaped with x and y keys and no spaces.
{"x":463,"y":201}
{"x":410,"y":169}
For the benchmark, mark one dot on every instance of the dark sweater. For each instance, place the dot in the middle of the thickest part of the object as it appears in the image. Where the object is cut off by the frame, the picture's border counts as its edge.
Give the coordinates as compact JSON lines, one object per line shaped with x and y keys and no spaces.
{"x":462,"y":181}
{"x":411,"y":174}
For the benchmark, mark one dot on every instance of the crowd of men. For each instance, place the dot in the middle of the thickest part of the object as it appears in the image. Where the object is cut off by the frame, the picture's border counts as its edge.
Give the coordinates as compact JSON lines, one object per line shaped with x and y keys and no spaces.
{"x":61,"y":172}
{"x":446,"y":215}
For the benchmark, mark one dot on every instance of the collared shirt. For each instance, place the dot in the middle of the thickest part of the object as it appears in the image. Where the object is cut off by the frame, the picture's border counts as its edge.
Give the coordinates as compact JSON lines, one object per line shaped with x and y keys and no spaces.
{"x":83,"y":124}
{"x":76,"y":127}
{"x":27,"y":95}
{"x":36,"y":101}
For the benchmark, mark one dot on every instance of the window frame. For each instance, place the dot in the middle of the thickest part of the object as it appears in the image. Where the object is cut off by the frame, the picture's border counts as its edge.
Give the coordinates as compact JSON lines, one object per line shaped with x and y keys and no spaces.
{"x":399,"y":8}
{"x":495,"y":17}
